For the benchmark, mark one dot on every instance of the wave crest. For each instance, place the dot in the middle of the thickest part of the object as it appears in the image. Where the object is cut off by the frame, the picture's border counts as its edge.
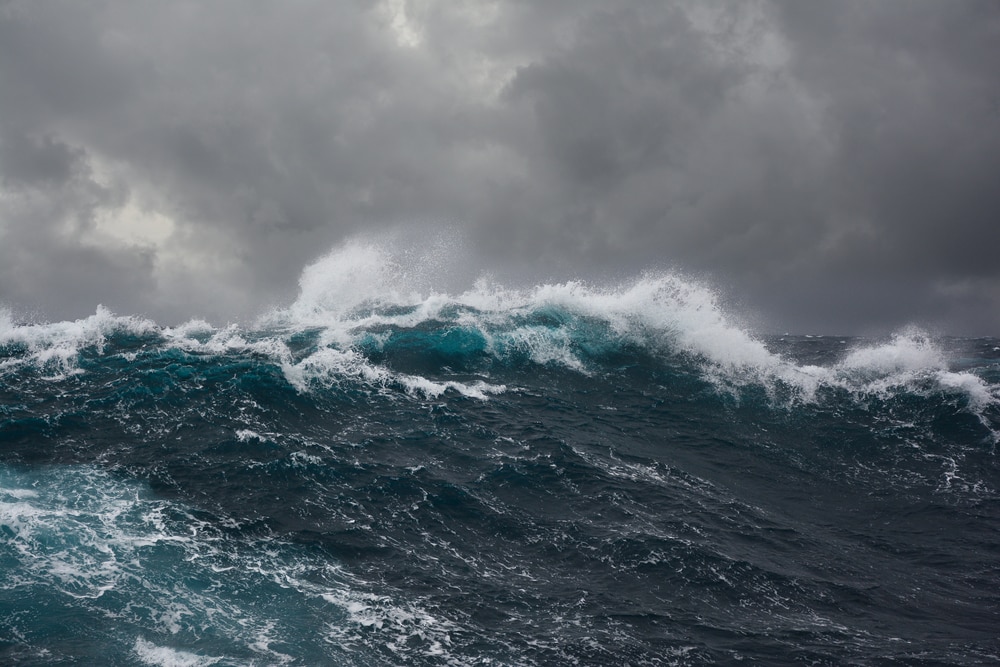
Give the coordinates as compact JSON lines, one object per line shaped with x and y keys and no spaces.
{"x":367,"y":307}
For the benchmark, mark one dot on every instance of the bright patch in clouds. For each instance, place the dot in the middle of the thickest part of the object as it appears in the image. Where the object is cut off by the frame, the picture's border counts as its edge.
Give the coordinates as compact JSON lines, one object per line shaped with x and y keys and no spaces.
{"x":133,"y":224}
{"x":399,"y":17}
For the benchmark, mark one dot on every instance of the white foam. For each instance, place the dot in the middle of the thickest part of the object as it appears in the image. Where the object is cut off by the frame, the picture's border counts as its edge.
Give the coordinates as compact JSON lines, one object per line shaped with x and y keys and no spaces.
{"x":164,"y":656}
{"x":76,"y":532}
{"x":189,"y":329}
{"x":56,"y":346}
{"x":908,"y":351}
{"x":365,"y":287}
{"x":979,"y":393}
{"x":910,"y":361}
{"x":431,"y":389}
{"x":365,"y":284}
{"x":328,"y":367}
{"x":357,"y":286}
{"x":397,"y":626}
{"x":359,"y":273}
{"x":246,"y":435}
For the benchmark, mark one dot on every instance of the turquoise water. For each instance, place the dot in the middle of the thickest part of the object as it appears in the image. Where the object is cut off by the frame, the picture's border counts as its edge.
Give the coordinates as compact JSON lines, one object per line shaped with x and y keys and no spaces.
{"x":554,"y":475}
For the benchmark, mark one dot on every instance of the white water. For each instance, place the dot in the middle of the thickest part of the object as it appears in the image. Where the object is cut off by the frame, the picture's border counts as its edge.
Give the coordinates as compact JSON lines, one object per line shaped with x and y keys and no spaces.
{"x":367,"y":285}
{"x":75,"y":536}
{"x":357,"y":286}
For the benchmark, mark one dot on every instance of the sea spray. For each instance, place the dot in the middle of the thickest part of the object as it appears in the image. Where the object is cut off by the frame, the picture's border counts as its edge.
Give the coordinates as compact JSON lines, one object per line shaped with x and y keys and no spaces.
{"x":396,"y":470}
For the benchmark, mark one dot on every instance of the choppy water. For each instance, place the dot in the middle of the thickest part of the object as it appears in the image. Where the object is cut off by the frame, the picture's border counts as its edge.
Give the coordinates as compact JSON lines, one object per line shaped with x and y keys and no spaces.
{"x":566,"y":474}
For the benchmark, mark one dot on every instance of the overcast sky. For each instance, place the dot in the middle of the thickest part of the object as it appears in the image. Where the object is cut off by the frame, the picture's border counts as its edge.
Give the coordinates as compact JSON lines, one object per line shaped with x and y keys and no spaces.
{"x":832,"y":167}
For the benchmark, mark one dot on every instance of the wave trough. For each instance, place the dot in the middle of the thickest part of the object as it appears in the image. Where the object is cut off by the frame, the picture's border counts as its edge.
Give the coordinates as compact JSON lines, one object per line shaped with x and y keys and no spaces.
{"x":387,"y":471}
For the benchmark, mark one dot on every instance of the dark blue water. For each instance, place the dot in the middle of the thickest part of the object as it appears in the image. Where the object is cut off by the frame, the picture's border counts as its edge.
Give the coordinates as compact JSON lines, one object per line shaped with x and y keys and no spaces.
{"x":560,"y":475}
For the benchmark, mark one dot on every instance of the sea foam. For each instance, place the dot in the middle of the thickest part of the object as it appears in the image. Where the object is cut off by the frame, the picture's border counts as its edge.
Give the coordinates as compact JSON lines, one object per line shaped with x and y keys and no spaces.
{"x":365,"y":290}
{"x":364,"y":285}
{"x":75,"y":534}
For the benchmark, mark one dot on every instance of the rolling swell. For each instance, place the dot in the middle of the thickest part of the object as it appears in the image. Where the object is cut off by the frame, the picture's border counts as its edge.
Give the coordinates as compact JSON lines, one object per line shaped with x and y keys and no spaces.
{"x":557,"y":474}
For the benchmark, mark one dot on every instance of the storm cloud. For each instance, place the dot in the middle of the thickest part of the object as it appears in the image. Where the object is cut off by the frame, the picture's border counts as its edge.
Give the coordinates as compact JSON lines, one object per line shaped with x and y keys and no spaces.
{"x":832,"y":167}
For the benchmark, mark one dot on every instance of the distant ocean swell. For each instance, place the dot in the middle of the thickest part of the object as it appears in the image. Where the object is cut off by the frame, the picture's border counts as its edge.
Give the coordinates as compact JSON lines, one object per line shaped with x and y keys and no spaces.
{"x":388,"y":473}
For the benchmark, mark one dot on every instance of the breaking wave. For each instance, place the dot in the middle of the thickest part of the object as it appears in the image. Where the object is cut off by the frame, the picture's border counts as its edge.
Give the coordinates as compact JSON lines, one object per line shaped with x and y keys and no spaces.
{"x":390,"y":470}
{"x":366,"y":307}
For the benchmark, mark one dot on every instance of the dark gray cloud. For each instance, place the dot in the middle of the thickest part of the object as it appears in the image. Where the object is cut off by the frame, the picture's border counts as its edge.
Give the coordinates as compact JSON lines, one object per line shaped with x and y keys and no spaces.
{"x":831,"y":166}
{"x":912,"y":108}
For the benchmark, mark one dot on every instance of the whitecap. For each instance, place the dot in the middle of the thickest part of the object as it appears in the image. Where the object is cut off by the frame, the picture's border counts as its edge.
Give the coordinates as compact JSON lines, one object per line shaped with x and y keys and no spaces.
{"x":164,"y":656}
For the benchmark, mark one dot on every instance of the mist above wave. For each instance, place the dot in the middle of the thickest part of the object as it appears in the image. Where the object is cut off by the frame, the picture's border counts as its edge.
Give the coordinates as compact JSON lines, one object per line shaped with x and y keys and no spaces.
{"x":366,"y":286}
{"x":368,"y":294}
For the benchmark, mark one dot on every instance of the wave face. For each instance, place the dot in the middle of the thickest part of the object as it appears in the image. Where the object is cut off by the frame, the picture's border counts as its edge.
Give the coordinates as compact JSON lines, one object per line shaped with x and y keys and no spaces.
{"x":388,"y":473}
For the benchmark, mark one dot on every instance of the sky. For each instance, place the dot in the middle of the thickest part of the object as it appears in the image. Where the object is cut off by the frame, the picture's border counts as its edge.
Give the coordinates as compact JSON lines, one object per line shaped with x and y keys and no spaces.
{"x":828,"y":167}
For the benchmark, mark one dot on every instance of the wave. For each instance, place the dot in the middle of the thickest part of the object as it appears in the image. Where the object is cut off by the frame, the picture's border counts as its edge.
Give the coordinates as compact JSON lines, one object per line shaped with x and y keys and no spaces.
{"x":369,"y":313}
{"x":80,"y":540}
{"x":404,"y":472}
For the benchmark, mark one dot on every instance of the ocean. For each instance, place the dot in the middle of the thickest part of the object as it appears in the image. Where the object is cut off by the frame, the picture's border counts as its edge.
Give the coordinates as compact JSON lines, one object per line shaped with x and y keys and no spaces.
{"x":387,"y":473}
